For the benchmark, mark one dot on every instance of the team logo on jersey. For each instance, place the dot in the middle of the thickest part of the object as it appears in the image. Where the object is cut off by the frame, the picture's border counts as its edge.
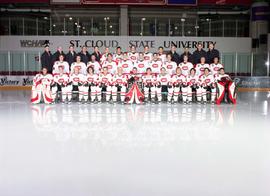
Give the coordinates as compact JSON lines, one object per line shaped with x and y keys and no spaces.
{"x":185,"y":68}
{"x":90,"y":79}
{"x":169,"y":66}
{"x":76,"y":79}
{"x":202,"y":69}
{"x":147,"y":58}
{"x":179,"y":80}
{"x":207,"y":80}
{"x":109,"y":66}
{"x":104,"y":79}
{"x":77,"y":67}
{"x":163,"y":80}
{"x":148,"y":81}
{"x":141,"y":65}
{"x":61,"y":80}
{"x":155,"y":65}
{"x":125,"y":65}
{"x":216,"y":68}
{"x":133,"y":58}
{"x":119,"y":81}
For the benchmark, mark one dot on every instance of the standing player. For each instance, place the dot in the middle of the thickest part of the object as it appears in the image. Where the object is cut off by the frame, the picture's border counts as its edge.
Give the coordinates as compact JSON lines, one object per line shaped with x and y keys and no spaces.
{"x":78,"y":65}
{"x":76,"y":82}
{"x":90,"y":85}
{"x":161,"y":55}
{"x":193,"y":85}
{"x":170,"y":65}
{"x":126,"y":64}
{"x":149,"y":82}
{"x":95,"y":64}
{"x":164,"y":85}
{"x":110,"y":64}
{"x":118,"y":55}
{"x":208,"y":85}
{"x":133,"y":55}
{"x":60,"y":63}
{"x":155,"y":64}
{"x":141,"y":65}
{"x":104,"y":56}
{"x":185,"y":66}
{"x":104,"y":84}
{"x":179,"y":82}
{"x":147,"y":55}
{"x":201,"y":66}
{"x":119,"y":84}
{"x":215,"y":67}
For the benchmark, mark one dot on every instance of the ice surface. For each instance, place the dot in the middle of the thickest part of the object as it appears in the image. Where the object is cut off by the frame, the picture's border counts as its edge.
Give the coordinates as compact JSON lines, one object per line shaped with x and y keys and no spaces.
{"x":132,"y":150}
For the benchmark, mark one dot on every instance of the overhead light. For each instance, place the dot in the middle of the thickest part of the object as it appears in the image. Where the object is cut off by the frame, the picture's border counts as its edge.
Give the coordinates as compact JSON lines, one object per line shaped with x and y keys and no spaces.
{"x":197,"y":27}
{"x":110,"y":26}
{"x":267,"y":63}
{"x":183,"y":20}
{"x":175,"y":28}
{"x":46,"y":18}
{"x":112,"y":32}
{"x":76,"y":23}
{"x":54,"y":25}
{"x":207,"y":19}
{"x":143,"y":19}
{"x":70,"y":18}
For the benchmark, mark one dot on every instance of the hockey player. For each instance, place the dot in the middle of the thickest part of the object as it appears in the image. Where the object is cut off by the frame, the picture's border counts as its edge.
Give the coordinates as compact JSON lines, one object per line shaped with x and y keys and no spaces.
{"x":119,"y":84}
{"x":147,"y":55}
{"x":41,"y":87}
{"x":118,"y":55}
{"x":201,"y":66}
{"x":95,"y":64}
{"x":126,"y":64}
{"x":60,"y":81}
{"x":225,"y":85}
{"x":78,"y":65}
{"x":60,"y":63}
{"x":161,"y":56}
{"x":164,"y":84}
{"x":133,"y":55}
{"x":208,"y":84}
{"x":149,"y":85}
{"x":76,"y":83}
{"x":185,"y":66}
{"x":104,"y":84}
{"x":110,"y":64}
{"x":193,"y":85}
{"x":90,"y":84}
{"x":170,"y":65}
{"x":215,"y":67}
{"x":104,"y":56}
{"x":155,"y":64}
{"x":179,"y":82}
{"x":141,"y":65}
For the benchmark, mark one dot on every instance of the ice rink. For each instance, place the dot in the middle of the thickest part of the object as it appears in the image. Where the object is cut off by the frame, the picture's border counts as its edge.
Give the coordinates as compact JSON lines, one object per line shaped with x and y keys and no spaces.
{"x":132,"y":150}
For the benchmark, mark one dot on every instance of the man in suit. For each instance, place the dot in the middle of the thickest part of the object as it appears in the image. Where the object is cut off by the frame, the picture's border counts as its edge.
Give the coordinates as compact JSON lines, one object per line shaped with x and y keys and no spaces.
{"x":96,"y":53}
{"x":175,"y":55}
{"x":85,"y":56}
{"x":212,"y":53}
{"x":58,"y":53}
{"x":198,"y":54}
{"x":47,"y":59}
{"x":71,"y":55}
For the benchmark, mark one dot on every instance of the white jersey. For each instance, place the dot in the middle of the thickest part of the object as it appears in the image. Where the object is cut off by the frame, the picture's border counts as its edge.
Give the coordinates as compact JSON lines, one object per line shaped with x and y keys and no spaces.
{"x":105,"y":79}
{"x":155,"y":66}
{"x":207,"y":80}
{"x":170,"y":67}
{"x":147,"y":56}
{"x":162,"y":58}
{"x":77,"y":79}
{"x":200,"y":68}
{"x":149,"y":79}
{"x":133,"y":56}
{"x":179,"y":79}
{"x":126,"y":65}
{"x":95,"y":65}
{"x":186,"y":67}
{"x":219,"y":77}
{"x":117,"y":57}
{"x":92,"y":79}
{"x":43,"y":79}
{"x":61,"y":79}
{"x":141,"y":66}
{"x":164,"y":79}
{"x":215,"y":68}
{"x":81,"y":66}
{"x":103,"y":58}
{"x":119,"y":79}
{"x":58,"y":64}
{"x":112,"y":66}
{"x":193,"y":80}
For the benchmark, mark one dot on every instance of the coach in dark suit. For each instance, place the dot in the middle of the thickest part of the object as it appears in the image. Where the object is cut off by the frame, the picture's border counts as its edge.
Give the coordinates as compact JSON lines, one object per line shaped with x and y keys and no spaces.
{"x":46,"y":59}
{"x":212,"y":53}
{"x":175,"y":55}
{"x":58,"y":53}
{"x":186,"y":53}
{"x":85,"y":56}
{"x":71,"y":55}
{"x":96,"y":53}
{"x":198,"y":54}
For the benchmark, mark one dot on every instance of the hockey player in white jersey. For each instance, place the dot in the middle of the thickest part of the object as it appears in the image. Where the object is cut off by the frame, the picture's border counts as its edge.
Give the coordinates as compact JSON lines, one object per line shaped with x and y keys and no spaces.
{"x":78,"y":65}
{"x":118,"y":55}
{"x":193,"y":85}
{"x":41,"y":89}
{"x":104,"y":56}
{"x":179,"y":82}
{"x":163,"y":85}
{"x":104,"y":84}
{"x":126,"y":64}
{"x":170,"y":65}
{"x":141,"y":65}
{"x":133,"y":55}
{"x":60,"y":63}
{"x":95,"y":64}
{"x":110,"y":64}
{"x":201,"y":66}
{"x":208,"y":84}
{"x":147,"y":55}
{"x":215,"y":67}
{"x":91,"y":85}
{"x":76,"y":84}
{"x":155,"y":64}
{"x":60,"y":81}
{"x":149,"y":85}
{"x":161,"y":55}
{"x":119,"y":84}
{"x":185,"y":66}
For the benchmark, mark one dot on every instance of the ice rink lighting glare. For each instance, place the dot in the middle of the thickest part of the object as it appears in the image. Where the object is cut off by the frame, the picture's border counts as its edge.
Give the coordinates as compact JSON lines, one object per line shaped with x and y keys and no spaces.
{"x":267,"y":63}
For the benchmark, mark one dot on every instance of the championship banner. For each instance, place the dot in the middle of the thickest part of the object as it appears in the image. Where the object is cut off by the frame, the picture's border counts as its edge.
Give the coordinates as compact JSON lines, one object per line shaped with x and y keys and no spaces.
{"x":16,"y":80}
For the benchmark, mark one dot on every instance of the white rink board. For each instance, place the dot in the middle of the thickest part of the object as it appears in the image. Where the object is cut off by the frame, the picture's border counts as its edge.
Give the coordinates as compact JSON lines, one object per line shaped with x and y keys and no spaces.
{"x":35,"y":43}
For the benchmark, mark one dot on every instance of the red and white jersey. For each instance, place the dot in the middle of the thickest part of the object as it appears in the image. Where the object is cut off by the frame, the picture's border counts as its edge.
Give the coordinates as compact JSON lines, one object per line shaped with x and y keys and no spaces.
{"x":119,"y":79}
{"x":92,"y":78}
{"x":162,"y":58}
{"x":105,"y":79}
{"x":95,"y":65}
{"x":112,"y":66}
{"x":77,"y":78}
{"x":141,"y":66}
{"x":61,"y":78}
{"x":186,"y":67}
{"x":164,"y":79}
{"x":219,"y":77}
{"x":117,"y":57}
{"x":127,"y":66}
{"x":81,"y":66}
{"x":215,"y":68}
{"x":155,"y":66}
{"x":207,"y":80}
{"x":149,"y":79}
{"x":193,"y":80}
{"x":103,"y":58}
{"x":133,"y":56}
{"x":200,"y":68}
{"x":147,"y":56}
{"x":43,"y":79}
{"x":170,"y":67}
{"x":179,"y":79}
{"x":58,"y":64}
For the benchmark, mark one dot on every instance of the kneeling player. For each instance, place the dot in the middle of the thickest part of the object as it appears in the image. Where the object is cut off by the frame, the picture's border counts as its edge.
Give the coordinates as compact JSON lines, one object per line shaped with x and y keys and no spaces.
{"x":193,"y":85}
{"x":91,"y":84}
{"x":60,"y":81}
{"x":119,"y":84}
{"x":77,"y":80}
{"x":149,"y":88}
{"x":164,"y":85}
{"x":104,"y":84}
{"x":225,"y":85}
{"x":208,"y":84}
{"x":179,"y":82}
{"x":41,"y":89}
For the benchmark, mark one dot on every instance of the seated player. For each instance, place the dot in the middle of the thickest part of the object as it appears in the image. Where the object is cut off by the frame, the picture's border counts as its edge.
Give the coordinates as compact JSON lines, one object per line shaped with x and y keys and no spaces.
{"x":104,"y":84}
{"x":60,"y":81}
{"x":215,"y":67}
{"x":149,"y":88}
{"x":170,"y":65}
{"x":60,"y":63}
{"x":119,"y":84}
{"x":76,"y":82}
{"x":41,"y":89}
{"x":126,"y":64}
{"x":163,"y":85}
{"x":90,"y":85}
{"x":201,"y":66}
{"x":225,"y":85}
{"x":110,"y":64}
{"x":208,"y":84}
{"x":193,"y":83}
{"x":155,"y":64}
{"x":95,"y":64}
{"x":185,"y":66}
{"x":141,"y":65}
{"x":79,"y":65}
{"x":179,"y":82}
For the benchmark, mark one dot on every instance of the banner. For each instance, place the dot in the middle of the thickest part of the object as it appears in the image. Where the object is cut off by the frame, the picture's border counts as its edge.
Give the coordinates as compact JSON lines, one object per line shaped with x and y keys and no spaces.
{"x":16,"y":80}
{"x":36,"y":43}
